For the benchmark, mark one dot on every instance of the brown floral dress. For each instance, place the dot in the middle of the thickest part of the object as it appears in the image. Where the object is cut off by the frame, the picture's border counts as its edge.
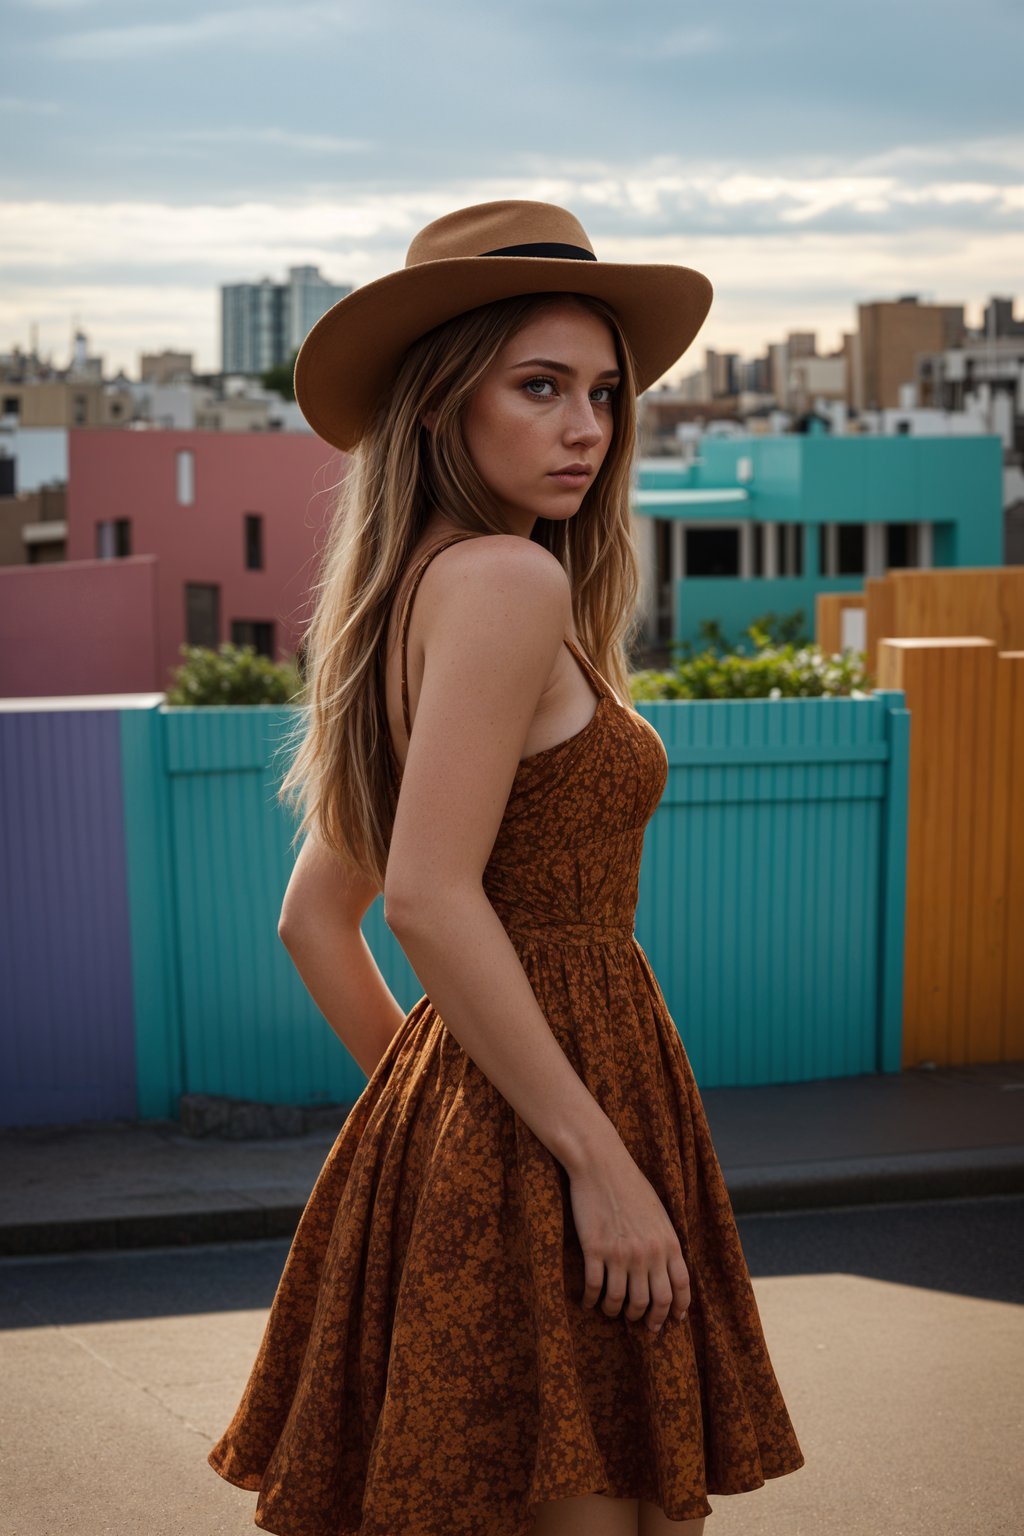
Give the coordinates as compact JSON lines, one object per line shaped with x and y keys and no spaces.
{"x":427,"y":1368}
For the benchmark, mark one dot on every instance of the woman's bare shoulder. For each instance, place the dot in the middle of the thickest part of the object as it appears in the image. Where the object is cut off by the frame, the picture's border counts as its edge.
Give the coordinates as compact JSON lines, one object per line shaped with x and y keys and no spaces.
{"x":496,"y":568}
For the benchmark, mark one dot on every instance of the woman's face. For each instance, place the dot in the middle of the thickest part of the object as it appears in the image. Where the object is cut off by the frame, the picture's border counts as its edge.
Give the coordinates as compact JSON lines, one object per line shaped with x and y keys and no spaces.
{"x":541,"y":421}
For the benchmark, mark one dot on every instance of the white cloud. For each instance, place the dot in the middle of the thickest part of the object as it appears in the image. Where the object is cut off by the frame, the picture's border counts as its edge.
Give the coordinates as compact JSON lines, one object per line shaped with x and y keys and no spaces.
{"x":228,"y":242}
{"x":121,"y":319}
{"x":23,"y":104}
{"x":144,"y":275}
{"x":897,"y":158}
{"x":788,"y":198}
{"x":248,"y":26}
{"x":53,"y":5}
{"x":679,"y":43}
{"x":285,"y":138}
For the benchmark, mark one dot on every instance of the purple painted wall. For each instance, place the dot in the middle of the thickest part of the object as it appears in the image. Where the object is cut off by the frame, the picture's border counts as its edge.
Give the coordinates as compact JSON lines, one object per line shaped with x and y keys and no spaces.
{"x":67,"y":1047}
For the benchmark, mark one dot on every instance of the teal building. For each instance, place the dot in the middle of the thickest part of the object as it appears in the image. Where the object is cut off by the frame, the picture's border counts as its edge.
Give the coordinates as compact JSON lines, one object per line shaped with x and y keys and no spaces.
{"x":756,"y":525}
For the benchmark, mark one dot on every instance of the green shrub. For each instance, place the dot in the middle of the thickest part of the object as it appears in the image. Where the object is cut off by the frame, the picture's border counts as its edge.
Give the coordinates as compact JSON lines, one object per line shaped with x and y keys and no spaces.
{"x":782,"y":664}
{"x":233,"y":674}
{"x":768,"y":629}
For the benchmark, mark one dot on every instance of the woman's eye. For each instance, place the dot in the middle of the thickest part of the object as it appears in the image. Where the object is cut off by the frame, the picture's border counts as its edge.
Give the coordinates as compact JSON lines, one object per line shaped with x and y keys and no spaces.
{"x":607,"y":390}
{"x":529,"y":387}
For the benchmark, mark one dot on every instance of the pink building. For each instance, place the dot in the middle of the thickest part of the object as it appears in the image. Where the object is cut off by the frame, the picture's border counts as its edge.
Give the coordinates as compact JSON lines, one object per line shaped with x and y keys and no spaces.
{"x":172,"y":538}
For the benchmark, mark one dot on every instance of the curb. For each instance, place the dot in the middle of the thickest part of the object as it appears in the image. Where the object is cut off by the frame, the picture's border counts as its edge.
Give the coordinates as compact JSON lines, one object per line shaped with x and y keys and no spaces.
{"x":166,"y":1229}
{"x":877,"y":1180}
{"x":783,"y":1188}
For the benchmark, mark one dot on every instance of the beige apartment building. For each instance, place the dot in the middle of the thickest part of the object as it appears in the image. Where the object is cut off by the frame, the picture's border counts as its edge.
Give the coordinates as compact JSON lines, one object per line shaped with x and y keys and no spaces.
{"x":33,"y":526}
{"x":65,"y":403}
{"x":810,"y":379}
{"x":165,"y":367}
{"x":890,"y":337}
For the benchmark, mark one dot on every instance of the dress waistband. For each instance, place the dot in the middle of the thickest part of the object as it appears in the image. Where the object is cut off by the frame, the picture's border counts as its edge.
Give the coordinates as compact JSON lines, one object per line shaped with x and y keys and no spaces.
{"x":555,"y":932}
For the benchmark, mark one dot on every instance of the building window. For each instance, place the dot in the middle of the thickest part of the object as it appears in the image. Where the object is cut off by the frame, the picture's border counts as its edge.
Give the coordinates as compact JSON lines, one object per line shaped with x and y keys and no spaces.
{"x":202,"y":615}
{"x":49,"y":553}
{"x":664,"y":607}
{"x":849,"y":549}
{"x":114,"y":539}
{"x":791,"y":549}
{"x":259,"y":633}
{"x":712,"y":551}
{"x":12,"y":405}
{"x":777,"y":549}
{"x":253,"y":541}
{"x":186,"y":477}
{"x":79,"y":409}
{"x":902,"y":546}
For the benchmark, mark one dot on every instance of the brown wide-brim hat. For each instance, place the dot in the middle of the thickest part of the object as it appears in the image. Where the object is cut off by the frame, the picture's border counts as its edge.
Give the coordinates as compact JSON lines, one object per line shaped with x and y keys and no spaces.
{"x":472,"y":257}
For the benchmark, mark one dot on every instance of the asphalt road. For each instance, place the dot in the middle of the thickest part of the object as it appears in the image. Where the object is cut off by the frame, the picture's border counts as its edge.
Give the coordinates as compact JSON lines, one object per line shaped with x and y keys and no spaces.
{"x":897,"y":1334}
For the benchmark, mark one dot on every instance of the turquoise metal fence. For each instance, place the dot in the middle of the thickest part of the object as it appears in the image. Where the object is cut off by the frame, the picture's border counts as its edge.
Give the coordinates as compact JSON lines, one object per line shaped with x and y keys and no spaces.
{"x":771,"y":900}
{"x":219,"y":1006}
{"x":772,"y":884}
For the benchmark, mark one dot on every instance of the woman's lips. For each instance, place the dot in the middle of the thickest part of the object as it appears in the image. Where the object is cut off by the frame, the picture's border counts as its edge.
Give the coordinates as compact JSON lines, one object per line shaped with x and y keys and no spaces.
{"x":573,"y":477}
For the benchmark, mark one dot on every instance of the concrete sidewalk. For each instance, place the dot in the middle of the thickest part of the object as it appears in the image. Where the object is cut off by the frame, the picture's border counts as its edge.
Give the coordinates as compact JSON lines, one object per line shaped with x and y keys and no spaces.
{"x":917,"y":1134}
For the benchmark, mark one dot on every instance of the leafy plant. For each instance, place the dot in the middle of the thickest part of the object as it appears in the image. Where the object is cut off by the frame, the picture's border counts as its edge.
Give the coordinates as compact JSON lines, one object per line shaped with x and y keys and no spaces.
{"x":768,"y":629}
{"x":779,"y":666}
{"x":233,"y":674}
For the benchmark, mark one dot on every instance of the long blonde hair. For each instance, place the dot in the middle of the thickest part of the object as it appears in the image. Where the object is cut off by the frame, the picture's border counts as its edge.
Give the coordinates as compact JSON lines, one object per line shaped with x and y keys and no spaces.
{"x":340,"y":777}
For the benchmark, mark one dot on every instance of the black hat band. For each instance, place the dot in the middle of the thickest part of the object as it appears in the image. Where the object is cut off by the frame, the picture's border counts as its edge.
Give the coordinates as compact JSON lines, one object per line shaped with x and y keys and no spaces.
{"x":545,"y":248}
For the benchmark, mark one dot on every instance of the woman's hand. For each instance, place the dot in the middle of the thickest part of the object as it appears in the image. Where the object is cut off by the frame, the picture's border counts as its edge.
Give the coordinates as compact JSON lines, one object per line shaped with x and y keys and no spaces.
{"x":625,"y":1232}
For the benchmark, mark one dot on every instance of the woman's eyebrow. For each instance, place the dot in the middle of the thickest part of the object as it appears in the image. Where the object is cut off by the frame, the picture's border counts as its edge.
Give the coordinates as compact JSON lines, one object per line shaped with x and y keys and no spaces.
{"x":546,"y":362}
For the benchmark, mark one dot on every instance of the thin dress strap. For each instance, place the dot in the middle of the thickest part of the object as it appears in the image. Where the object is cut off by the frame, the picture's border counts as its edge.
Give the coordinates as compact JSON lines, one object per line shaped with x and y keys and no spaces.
{"x":601,"y":684}
{"x":407,"y":615}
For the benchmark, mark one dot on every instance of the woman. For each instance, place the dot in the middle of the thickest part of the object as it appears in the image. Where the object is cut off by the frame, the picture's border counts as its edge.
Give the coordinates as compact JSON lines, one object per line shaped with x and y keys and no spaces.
{"x":517,"y":1301}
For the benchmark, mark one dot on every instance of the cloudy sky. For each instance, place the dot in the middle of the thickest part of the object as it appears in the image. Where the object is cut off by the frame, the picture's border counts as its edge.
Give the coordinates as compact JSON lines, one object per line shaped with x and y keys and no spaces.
{"x":806,"y":156}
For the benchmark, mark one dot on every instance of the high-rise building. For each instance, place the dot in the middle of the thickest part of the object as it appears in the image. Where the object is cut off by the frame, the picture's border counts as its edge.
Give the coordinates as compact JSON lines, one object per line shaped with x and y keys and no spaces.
{"x":264,"y":323}
{"x":802,"y":344}
{"x":309,"y":297}
{"x":891,"y":335}
{"x":998,"y":319}
{"x":722,"y":370}
{"x":252,"y":327}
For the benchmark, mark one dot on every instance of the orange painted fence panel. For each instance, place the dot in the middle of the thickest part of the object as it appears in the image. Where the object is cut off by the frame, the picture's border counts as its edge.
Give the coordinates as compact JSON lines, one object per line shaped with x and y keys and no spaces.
{"x":964,"y":953}
{"x":981,"y":600}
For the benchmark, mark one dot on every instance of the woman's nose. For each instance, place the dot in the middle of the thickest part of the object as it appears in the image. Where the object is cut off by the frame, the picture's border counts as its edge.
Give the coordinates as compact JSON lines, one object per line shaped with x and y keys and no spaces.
{"x":584,"y":425}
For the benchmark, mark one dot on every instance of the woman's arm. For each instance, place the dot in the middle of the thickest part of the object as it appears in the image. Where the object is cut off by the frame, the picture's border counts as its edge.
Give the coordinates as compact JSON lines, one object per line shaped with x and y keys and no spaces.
{"x":494,"y":614}
{"x":319,"y":926}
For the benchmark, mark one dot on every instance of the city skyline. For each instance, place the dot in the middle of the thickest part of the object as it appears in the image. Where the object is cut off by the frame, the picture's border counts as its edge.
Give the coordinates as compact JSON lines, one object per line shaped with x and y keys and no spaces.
{"x":806,"y":162}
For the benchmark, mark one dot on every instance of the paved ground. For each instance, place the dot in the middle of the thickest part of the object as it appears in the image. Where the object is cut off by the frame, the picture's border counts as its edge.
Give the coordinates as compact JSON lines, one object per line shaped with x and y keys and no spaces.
{"x":896,"y":1331}
{"x":915,"y":1134}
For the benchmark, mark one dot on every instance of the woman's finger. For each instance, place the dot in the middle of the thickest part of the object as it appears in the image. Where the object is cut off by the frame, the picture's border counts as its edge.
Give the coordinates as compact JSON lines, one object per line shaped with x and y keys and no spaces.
{"x":639,"y":1292}
{"x":615,"y":1290}
{"x":680,"y":1278}
{"x":593,"y":1279}
{"x":661,"y":1299}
